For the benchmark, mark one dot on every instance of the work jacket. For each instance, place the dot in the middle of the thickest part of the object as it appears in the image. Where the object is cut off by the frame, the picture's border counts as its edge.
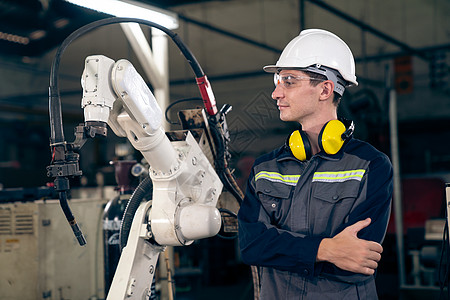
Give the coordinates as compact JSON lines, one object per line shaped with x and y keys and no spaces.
{"x":290,"y":206}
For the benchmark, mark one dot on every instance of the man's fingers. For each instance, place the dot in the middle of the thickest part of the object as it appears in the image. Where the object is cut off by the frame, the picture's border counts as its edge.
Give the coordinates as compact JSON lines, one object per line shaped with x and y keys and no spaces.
{"x":355,"y":228}
{"x":374,"y":246}
{"x":372,"y":264}
{"x":351,"y":253}
{"x":368,"y":271}
{"x":374,"y":256}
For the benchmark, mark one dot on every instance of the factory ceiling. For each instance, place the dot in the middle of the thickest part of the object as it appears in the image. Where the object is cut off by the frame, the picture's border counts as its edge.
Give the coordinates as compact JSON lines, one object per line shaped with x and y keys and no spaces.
{"x":33,"y":27}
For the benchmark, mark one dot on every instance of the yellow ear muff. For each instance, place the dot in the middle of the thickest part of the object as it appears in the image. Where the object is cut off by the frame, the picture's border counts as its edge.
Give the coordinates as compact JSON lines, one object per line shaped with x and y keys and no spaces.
{"x":299,"y":145}
{"x":330,"y":137}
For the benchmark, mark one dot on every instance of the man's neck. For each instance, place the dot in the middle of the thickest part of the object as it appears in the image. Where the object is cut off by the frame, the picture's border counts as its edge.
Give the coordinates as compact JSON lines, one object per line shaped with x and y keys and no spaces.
{"x":313,"y":128}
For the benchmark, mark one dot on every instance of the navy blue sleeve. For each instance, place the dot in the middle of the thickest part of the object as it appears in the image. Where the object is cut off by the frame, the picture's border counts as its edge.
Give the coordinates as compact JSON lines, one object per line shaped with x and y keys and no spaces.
{"x":262,"y":244}
{"x":374,"y":201}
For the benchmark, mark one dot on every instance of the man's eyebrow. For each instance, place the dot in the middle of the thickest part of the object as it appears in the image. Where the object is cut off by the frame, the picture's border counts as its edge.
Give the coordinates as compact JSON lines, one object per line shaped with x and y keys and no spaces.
{"x":293,"y":75}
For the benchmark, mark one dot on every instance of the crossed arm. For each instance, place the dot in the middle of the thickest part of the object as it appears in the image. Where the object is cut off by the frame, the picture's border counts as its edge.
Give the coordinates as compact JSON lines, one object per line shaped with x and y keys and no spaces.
{"x":352,"y":250}
{"x":348,"y":252}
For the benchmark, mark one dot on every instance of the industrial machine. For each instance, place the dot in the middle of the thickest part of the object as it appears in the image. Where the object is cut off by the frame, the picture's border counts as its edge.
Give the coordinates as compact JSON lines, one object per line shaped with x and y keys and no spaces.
{"x":188,"y":169}
{"x":39,"y":261}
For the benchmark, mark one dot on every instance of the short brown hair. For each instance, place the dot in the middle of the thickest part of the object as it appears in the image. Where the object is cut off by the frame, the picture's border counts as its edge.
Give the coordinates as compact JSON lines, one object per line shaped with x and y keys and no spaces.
{"x":336,"y":97}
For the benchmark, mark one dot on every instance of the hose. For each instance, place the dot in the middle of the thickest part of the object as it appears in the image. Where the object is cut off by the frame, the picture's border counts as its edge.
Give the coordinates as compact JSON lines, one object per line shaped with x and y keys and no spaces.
{"x":57,"y":139}
{"x":231,"y":214}
{"x":221,"y":164}
{"x":70,"y":218}
{"x":57,"y":133}
{"x":144,"y":187}
{"x":176,"y":102}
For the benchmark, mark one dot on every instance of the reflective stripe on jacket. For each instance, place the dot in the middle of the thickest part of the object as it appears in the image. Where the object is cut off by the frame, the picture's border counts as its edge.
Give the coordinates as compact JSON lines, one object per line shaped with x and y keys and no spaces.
{"x":290,"y":206}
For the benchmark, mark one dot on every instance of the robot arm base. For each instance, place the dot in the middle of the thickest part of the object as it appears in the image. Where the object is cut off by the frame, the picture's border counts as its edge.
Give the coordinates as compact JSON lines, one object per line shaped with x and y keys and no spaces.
{"x":137,"y":264}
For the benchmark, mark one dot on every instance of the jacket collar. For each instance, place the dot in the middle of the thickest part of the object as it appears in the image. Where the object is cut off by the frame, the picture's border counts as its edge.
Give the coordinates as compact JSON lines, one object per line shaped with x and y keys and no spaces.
{"x":285,"y":154}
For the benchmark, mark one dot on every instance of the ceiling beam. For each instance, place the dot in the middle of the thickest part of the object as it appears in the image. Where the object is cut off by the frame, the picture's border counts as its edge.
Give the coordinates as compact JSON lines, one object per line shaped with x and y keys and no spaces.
{"x":405,"y":47}
{"x":229,"y":34}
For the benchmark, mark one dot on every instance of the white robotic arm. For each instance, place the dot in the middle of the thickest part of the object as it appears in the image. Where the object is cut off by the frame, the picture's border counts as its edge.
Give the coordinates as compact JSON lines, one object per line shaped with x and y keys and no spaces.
{"x":185,"y":185}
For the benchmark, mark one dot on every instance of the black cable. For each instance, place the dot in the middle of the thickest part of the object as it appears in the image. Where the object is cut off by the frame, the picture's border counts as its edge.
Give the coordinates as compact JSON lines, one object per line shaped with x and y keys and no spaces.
{"x":57,"y":140}
{"x":55,"y":112}
{"x":56,"y":127}
{"x":144,"y":188}
{"x":232,"y":214}
{"x":222,"y":168}
{"x":65,"y":206}
{"x":176,"y":102}
{"x":70,"y":218}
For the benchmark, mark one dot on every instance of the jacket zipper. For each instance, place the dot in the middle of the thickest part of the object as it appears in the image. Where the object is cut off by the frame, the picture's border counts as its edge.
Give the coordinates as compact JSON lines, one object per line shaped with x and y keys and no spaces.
{"x":308,"y":207}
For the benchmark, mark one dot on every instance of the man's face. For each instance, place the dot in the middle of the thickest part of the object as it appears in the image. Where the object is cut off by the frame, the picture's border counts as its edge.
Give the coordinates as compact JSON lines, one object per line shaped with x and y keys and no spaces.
{"x":297,"y":99}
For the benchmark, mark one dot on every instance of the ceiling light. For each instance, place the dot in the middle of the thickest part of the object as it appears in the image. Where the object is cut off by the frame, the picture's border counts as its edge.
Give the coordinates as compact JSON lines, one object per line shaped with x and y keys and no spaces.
{"x":14,"y":38}
{"x":131,"y":9}
{"x":61,"y":23}
{"x":37,"y":34}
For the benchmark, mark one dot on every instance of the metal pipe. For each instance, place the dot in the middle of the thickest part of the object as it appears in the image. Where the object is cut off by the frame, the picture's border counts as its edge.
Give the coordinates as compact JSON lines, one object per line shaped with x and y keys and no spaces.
{"x":161,"y":56}
{"x":144,"y":53}
{"x":301,"y":7}
{"x":390,"y":55}
{"x":398,"y":208}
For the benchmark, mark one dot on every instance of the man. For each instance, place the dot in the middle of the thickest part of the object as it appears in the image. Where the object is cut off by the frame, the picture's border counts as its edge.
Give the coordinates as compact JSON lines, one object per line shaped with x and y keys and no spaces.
{"x":317,"y":208}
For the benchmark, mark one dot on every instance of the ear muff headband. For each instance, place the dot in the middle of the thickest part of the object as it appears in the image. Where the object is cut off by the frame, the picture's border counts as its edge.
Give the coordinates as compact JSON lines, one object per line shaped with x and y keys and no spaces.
{"x":299,"y":144}
{"x":331,"y":137}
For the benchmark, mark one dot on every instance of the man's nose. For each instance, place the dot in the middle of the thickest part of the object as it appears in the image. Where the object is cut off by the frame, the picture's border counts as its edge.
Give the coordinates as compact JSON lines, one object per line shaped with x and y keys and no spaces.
{"x":278,"y":92}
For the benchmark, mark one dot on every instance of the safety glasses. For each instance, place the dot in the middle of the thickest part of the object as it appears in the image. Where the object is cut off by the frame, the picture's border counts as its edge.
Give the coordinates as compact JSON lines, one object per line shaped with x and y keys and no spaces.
{"x":291,"y":81}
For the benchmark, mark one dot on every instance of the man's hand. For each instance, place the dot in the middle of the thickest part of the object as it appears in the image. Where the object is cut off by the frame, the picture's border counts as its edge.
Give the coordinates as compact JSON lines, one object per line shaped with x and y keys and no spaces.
{"x":350,"y":253}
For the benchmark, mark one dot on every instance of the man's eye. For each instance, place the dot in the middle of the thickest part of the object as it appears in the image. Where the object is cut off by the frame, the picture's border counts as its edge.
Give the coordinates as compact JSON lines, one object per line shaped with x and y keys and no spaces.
{"x":288,"y":81}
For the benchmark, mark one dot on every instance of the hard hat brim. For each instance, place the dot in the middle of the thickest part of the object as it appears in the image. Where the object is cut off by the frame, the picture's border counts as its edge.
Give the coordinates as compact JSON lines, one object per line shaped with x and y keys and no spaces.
{"x":271,"y":68}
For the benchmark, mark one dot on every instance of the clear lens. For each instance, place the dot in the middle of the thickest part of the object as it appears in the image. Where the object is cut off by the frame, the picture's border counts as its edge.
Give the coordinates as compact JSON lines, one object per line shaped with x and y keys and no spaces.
{"x":290,"y":81}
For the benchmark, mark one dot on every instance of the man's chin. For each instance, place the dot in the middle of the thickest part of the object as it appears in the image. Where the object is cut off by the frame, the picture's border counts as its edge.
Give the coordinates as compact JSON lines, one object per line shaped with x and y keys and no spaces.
{"x":285,"y":118}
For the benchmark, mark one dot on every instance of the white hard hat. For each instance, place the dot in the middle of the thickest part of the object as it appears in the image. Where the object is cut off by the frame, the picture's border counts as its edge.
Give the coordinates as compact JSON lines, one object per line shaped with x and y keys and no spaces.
{"x":318,"y":50}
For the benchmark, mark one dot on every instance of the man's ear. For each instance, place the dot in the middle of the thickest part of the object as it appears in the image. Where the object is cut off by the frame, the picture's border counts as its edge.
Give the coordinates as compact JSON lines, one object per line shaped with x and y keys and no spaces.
{"x":327,"y":90}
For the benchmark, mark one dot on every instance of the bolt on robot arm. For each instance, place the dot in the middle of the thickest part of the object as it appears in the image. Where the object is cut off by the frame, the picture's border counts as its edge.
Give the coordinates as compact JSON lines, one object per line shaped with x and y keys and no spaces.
{"x":185,"y":185}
